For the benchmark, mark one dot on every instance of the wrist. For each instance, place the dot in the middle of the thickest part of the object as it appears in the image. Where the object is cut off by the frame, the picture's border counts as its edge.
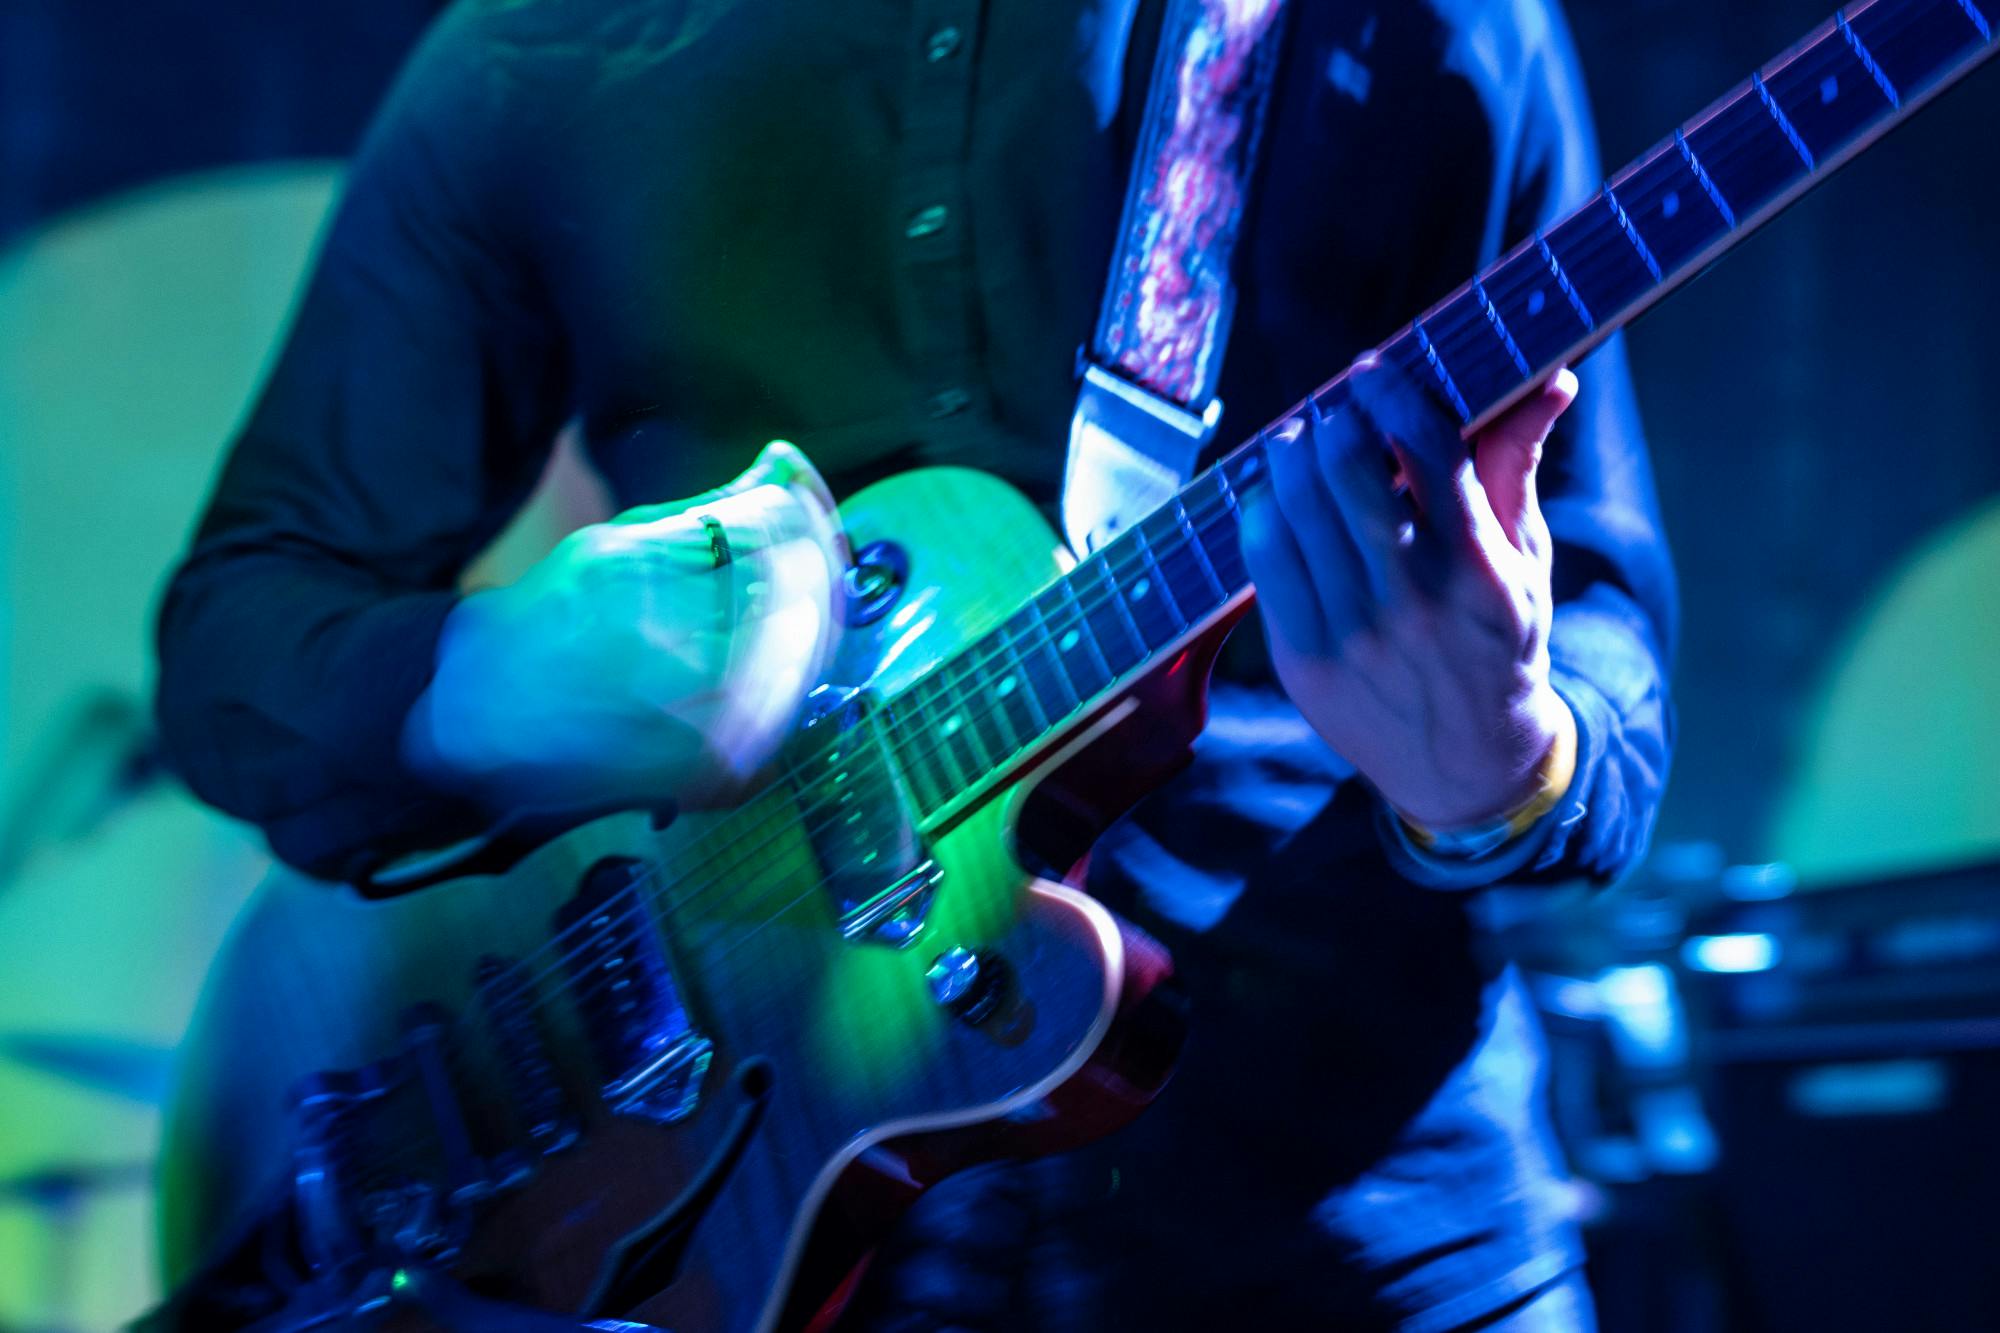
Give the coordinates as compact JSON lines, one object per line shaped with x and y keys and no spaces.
{"x":1544,"y":785}
{"x":446,"y":739}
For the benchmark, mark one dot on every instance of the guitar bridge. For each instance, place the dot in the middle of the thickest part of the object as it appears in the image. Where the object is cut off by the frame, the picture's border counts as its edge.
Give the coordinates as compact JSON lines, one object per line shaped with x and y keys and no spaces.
{"x":650,"y":1056}
{"x":895,"y":915}
{"x":669,"y":1087}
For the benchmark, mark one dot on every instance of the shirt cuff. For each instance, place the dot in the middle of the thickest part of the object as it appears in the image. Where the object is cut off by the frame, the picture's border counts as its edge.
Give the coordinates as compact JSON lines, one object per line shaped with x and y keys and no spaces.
{"x":1537,"y":846}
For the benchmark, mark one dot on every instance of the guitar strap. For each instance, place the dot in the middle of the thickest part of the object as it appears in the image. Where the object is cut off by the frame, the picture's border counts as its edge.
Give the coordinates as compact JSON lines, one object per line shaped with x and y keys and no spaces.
{"x":1146,"y":405}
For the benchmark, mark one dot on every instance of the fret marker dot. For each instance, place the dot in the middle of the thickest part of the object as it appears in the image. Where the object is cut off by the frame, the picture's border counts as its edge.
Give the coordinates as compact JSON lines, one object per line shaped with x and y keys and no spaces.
{"x":1141,"y":588}
{"x":1671,"y":204}
{"x":1068,"y":641}
{"x":1829,"y":88}
{"x":1536,"y":300}
{"x":951,"y":725}
{"x":1005,"y":687}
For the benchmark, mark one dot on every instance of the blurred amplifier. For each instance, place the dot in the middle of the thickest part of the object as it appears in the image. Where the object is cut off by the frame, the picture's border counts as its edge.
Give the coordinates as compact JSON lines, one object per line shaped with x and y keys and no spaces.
{"x":1849,"y":1043}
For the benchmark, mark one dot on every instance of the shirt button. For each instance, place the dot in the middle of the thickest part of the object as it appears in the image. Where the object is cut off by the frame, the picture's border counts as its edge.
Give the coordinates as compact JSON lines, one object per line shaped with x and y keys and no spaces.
{"x":948,"y":403}
{"x":927,"y":222}
{"x":943,"y":45}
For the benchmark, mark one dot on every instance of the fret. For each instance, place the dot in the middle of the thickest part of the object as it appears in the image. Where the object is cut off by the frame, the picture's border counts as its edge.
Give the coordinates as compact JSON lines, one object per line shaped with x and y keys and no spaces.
{"x":1747,"y":156}
{"x":943,"y":733}
{"x":1041,"y":668}
{"x":1785,"y":125}
{"x":1669,"y":210}
{"x":1914,"y":43}
{"x":1500,"y":329}
{"x":1012,"y":693}
{"x":1631,"y":233}
{"x":923,"y":765}
{"x":980,"y":721}
{"x":1442,"y":374}
{"x":1112,"y":629}
{"x":1139,"y":583}
{"x":1473,"y":347}
{"x":1526,"y":292}
{"x":1211,"y":507}
{"x":1701,"y":176}
{"x":1075,"y":652}
{"x":1222,"y":590}
{"x":1563,"y":284}
{"x":1977,"y":18}
{"x":1826,"y":94}
{"x":1163,"y":589}
{"x":1867,"y":59}
{"x":1186,"y":578}
{"x":1221,"y":532}
{"x":1605,"y":269}
{"x":952,"y":734}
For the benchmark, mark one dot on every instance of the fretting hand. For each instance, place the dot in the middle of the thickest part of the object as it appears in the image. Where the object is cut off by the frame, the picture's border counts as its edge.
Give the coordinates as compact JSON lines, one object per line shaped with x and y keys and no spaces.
{"x":657,"y":658}
{"x":1410,"y":624}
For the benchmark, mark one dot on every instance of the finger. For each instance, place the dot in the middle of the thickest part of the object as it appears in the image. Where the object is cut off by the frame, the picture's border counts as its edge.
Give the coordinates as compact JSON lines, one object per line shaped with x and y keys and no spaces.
{"x":1335,"y":571}
{"x":1278,"y":571}
{"x":1509,"y":451}
{"x":1425,"y":437}
{"x":1358,"y":468}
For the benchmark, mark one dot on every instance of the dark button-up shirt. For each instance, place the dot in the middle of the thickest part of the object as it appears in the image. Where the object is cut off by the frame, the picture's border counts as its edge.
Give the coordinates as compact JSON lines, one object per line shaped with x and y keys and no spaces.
{"x":879,"y":228}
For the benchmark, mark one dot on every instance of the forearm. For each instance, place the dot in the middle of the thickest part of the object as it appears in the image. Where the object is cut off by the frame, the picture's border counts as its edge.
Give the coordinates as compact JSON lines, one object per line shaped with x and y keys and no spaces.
{"x":284,"y":681}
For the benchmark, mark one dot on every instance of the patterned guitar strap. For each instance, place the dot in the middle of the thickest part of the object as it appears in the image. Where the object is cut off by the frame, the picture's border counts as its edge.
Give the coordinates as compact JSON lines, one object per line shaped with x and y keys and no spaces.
{"x":1147,"y":404}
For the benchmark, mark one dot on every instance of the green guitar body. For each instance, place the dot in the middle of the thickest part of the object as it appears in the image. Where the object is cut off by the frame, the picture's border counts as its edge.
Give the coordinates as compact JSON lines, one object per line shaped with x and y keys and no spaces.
{"x":357,"y":1081}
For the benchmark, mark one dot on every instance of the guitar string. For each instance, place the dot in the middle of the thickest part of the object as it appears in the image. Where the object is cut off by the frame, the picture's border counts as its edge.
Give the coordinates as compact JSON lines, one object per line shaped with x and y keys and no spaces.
{"x":1580,"y":264}
{"x":1828,"y":55}
{"x":750,"y":840}
{"x":1584,"y":262}
{"x":640,"y":890}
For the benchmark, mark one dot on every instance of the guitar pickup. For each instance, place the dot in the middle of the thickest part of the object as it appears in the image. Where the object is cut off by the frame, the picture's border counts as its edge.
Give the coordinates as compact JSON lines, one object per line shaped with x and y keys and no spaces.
{"x":651,"y":1058}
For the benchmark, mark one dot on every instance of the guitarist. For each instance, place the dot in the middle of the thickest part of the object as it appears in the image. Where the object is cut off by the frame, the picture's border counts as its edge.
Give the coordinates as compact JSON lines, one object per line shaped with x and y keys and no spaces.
{"x":880,"y":230}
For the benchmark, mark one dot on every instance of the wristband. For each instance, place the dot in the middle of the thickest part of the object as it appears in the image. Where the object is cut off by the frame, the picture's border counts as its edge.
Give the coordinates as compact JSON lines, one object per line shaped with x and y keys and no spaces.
{"x":1553,"y":777}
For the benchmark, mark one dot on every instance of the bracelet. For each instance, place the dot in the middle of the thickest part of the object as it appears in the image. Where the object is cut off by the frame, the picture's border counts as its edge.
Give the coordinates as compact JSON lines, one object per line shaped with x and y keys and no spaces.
{"x":1552,"y":776}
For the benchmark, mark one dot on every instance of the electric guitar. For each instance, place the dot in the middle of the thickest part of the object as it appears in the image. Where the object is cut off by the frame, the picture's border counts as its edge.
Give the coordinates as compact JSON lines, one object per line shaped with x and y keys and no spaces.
{"x":684,"y":1075}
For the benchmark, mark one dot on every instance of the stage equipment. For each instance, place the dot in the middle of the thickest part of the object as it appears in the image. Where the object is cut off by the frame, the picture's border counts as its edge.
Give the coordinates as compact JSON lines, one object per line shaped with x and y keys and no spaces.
{"x":683,"y":1076}
{"x":1851,"y":1038}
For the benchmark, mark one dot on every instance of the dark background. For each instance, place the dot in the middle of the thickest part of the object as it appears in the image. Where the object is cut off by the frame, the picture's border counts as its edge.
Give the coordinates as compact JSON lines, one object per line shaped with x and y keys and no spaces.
{"x":1816,"y":408}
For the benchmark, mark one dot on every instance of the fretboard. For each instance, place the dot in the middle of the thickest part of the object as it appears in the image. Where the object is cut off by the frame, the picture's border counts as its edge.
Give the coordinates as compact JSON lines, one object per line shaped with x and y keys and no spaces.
{"x":1547,"y":303}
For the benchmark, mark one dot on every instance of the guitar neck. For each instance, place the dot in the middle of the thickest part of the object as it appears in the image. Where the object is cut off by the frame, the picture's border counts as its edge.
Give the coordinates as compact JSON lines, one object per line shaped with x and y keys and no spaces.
{"x":974,"y":720}
{"x":1682,"y":205}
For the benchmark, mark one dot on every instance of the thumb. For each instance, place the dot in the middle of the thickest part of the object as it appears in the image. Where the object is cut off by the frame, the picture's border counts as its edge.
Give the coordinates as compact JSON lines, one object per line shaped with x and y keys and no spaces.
{"x":1509,"y":451}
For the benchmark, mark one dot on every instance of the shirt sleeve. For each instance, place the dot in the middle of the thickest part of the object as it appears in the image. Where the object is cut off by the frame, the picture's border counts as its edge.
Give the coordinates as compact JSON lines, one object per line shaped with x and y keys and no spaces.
{"x":407,"y":416}
{"x":1615,"y":595}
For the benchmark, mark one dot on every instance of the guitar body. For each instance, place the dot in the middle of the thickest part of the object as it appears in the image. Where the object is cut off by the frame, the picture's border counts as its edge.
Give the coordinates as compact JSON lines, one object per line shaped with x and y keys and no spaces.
{"x":356,"y":1066}
{"x":686,"y":1076}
